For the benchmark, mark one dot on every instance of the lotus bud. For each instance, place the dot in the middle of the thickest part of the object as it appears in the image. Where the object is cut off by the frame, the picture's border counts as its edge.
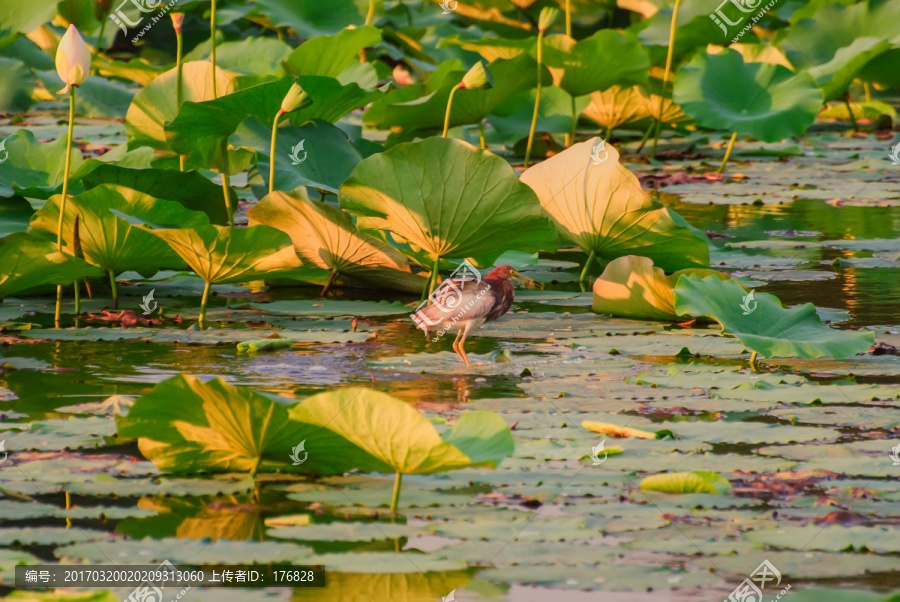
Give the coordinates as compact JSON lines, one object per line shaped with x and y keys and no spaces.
{"x":295,"y":100}
{"x":73,"y":59}
{"x":547,"y":18}
{"x":102,"y":9}
{"x":177,"y":21}
{"x":478,"y":78}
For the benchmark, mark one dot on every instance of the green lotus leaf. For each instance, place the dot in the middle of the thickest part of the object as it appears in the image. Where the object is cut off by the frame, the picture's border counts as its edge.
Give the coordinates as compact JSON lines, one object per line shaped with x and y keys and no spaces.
{"x":599,"y":62}
{"x":34,"y":169}
{"x":310,"y":19}
{"x":190,"y":188}
{"x":250,"y":56}
{"x":110,"y":242}
{"x":201,"y":129}
{"x":492,"y":48}
{"x":336,"y":56}
{"x":633,"y":287}
{"x":396,"y":434}
{"x":323,"y":158}
{"x":448,"y":199}
{"x":18,"y":84}
{"x":694,"y":29}
{"x":24,"y":18}
{"x":184,"y":426}
{"x":326,"y":237}
{"x":840,"y":42}
{"x":762,"y":100}
{"x":602,"y":209}
{"x":15,"y":213}
{"x":28,"y":262}
{"x":220,"y":255}
{"x":156,"y":104}
{"x":399,"y":112}
{"x":698,"y":481}
{"x":767,"y":328}
{"x":554,"y":114}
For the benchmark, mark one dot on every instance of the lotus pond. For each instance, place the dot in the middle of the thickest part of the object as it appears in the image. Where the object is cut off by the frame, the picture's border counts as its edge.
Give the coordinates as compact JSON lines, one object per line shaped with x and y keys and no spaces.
{"x":212,"y":239}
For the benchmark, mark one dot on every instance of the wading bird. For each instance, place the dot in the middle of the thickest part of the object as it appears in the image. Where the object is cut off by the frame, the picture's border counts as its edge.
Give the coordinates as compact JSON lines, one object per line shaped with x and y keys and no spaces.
{"x":463,"y":303}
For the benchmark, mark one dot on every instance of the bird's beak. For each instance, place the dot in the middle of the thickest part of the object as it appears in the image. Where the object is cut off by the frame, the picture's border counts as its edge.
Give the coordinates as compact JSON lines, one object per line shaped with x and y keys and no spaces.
{"x":524,"y":280}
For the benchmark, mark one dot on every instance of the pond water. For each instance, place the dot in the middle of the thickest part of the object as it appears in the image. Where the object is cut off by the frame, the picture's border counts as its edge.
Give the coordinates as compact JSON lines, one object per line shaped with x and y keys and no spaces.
{"x":805,"y":444}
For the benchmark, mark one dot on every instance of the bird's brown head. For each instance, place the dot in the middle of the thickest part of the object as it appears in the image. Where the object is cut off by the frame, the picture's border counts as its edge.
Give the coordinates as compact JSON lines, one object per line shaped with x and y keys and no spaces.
{"x":503,"y":272}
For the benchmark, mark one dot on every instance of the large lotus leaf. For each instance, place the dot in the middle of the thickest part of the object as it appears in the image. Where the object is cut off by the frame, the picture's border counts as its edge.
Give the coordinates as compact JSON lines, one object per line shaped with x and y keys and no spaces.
{"x":185,"y":426}
{"x":493,"y":48}
{"x":18,"y":84}
{"x":396,"y":434}
{"x":28,"y":262}
{"x":448,"y":199}
{"x":768,"y":328}
{"x":469,"y":106}
{"x":331,"y":56}
{"x":157,"y":103}
{"x":602,"y":209}
{"x":190,"y":188}
{"x":201,"y":129}
{"x":834,"y":46}
{"x":221,"y":255}
{"x":24,"y":18}
{"x":694,"y":29}
{"x":34,"y":169}
{"x":15,"y":213}
{"x":250,"y":56}
{"x":310,"y":19}
{"x":326,"y":237}
{"x":617,"y":106}
{"x":599,"y":62}
{"x":325,"y":162}
{"x":633,"y":287}
{"x":762,"y":100}
{"x":110,"y":242}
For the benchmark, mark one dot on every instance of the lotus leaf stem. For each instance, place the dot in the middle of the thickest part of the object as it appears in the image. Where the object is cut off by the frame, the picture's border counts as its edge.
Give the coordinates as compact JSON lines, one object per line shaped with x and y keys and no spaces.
{"x":646,"y":136}
{"x":668,"y":70}
{"x":395,"y":499}
{"x":728,"y":152}
{"x":587,"y":265}
{"x":850,"y":112}
{"x":65,"y":194}
{"x":867,"y":87}
{"x":449,"y":106}
{"x":179,"y":81}
{"x":753,"y":361}
{"x":481,"y":139}
{"x":212,"y":55}
{"x":570,"y":136}
{"x":226,"y":185}
{"x":114,"y":288}
{"x":77,"y":298}
{"x":537,"y":96}
{"x":203,"y":301}
{"x":435,"y":272}
{"x":102,"y":31}
{"x":370,"y":16}
{"x":328,"y":284}
{"x":272,"y":153}
{"x":569,"y":18}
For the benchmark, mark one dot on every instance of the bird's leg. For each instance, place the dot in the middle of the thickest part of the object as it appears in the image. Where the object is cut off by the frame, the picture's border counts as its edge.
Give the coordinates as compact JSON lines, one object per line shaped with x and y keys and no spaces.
{"x":456,"y":342}
{"x":460,"y":347}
